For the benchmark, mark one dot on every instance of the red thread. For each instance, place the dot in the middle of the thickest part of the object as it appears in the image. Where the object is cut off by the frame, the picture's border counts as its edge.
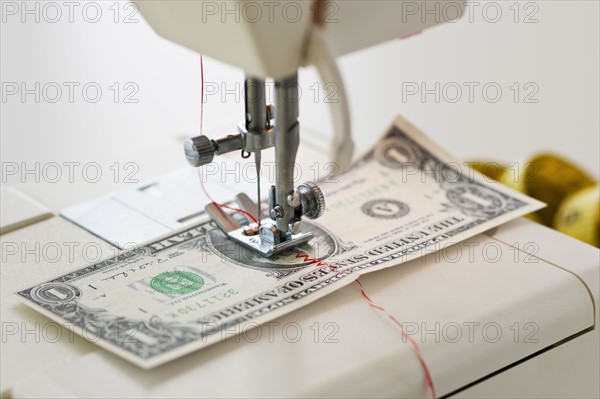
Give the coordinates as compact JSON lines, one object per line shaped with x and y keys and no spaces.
{"x":413,"y":343}
{"x":199,"y":172}
{"x":223,"y":205}
{"x":318,"y":262}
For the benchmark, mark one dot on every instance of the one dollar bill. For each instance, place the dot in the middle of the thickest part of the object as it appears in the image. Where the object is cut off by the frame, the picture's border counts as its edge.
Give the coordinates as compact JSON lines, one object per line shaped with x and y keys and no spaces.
{"x":402,"y":199}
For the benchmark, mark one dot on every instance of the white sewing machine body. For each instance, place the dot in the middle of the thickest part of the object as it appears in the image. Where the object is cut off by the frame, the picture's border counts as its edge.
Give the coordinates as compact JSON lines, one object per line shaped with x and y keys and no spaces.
{"x":270,"y":39}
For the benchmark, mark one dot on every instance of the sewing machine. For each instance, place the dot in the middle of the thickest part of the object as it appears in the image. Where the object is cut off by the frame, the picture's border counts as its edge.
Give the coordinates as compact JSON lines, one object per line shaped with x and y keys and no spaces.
{"x":276,"y":47}
{"x":554,"y":286}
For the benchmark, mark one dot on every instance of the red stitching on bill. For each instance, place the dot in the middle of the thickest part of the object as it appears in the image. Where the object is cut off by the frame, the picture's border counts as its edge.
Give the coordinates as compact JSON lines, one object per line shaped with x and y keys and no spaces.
{"x":318,"y":262}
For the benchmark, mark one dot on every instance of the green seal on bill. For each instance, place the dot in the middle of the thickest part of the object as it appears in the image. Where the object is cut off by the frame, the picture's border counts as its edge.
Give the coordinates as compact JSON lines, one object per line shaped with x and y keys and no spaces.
{"x":177,"y":283}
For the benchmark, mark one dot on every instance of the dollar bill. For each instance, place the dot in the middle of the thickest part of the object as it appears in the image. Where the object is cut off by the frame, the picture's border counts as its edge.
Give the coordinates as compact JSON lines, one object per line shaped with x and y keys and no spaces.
{"x":401,"y":200}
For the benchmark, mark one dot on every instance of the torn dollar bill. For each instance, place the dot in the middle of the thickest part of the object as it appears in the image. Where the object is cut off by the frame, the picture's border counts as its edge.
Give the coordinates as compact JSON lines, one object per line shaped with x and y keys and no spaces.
{"x":401,"y":200}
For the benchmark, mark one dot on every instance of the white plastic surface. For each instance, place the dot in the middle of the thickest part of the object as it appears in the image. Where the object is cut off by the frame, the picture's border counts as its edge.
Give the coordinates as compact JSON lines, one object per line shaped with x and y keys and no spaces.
{"x":369,"y":357}
{"x":18,"y":210}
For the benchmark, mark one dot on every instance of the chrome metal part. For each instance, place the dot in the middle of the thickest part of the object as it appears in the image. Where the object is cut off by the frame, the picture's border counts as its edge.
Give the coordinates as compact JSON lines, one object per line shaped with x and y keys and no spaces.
{"x":264,"y":239}
{"x":265,"y":126}
{"x":222,"y":219}
{"x":256,"y":130}
{"x":229,"y":143}
{"x":287,"y":140}
{"x":256,"y":106}
{"x":271,"y":202}
{"x":312,"y":200}
{"x":295,"y":227}
{"x":263,"y":245}
{"x":276,"y":212}
{"x":269,"y":235}
{"x":199,"y":150}
{"x":257,"y":141}
{"x":247,"y":205}
{"x":257,"y":160}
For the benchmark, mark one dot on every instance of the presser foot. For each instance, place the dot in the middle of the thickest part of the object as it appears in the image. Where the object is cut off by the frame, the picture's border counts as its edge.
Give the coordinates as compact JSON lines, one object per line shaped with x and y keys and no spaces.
{"x":265,"y":247}
{"x":263,"y":239}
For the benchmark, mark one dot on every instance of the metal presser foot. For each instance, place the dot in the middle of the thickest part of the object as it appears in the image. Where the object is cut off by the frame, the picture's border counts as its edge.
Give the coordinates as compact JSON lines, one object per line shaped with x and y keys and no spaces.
{"x":265,"y":127}
{"x":264,"y":239}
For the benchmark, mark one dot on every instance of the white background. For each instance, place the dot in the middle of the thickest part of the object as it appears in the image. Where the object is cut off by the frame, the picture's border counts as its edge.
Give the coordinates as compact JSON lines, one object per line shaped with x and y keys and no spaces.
{"x":558,"y":54}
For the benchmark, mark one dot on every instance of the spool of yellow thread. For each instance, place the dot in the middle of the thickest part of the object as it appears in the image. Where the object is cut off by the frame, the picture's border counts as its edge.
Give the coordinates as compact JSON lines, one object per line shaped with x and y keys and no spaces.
{"x":579,"y":216}
{"x":571,"y":195}
{"x":551,"y":179}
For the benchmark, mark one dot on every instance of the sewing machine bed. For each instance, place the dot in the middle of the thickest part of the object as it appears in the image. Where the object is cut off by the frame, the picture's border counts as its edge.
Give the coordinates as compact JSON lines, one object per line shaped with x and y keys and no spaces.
{"x":480,"y":320}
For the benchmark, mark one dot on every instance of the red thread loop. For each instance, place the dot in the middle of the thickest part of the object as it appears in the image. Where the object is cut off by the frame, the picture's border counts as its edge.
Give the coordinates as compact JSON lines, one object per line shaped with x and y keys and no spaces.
{"x":223,"y":205}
